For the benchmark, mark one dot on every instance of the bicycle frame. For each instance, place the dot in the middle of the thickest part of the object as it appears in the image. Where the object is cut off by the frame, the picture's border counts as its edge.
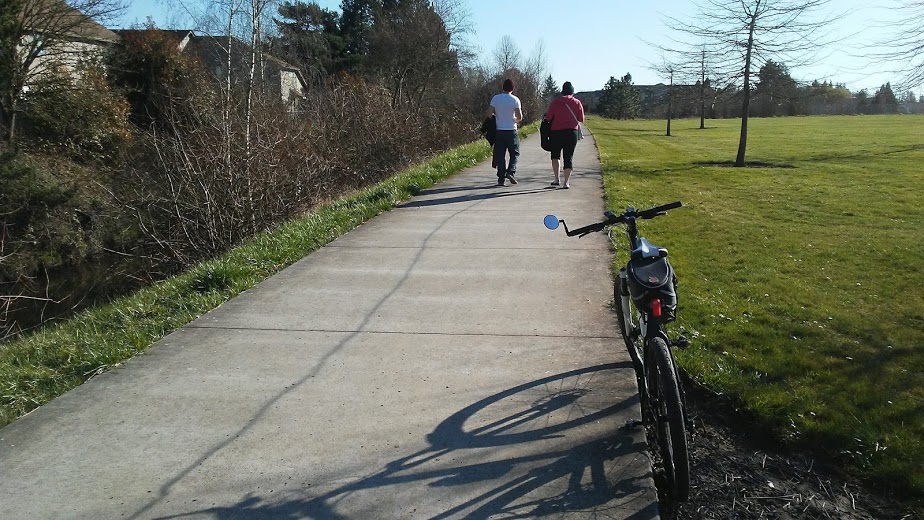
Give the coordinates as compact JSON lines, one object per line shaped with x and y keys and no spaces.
{"x":646,"y":300}
{"x":651,"y":324}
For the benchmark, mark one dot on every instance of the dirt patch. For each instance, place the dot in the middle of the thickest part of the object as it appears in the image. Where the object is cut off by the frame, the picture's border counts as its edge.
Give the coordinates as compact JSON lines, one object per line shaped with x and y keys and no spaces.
{"x":736,"y":474}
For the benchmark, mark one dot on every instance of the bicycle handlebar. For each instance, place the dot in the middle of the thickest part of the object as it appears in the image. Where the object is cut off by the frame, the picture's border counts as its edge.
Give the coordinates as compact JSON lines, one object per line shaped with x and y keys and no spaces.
{"x":659,"y":210}
{"x":630,"y":213}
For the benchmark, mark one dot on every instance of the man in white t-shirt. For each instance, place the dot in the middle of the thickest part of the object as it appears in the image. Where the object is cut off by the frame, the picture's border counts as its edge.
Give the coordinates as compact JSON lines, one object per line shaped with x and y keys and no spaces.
{"x":508,"y":111}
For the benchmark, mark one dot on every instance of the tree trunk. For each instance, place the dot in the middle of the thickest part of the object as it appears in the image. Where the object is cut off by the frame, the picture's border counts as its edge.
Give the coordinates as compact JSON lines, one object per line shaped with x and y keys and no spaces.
{"x":248,"y":115}
{"x":8,"y":119}
{"x":11,"y":134}
{"x":670,"y":104}
{"x":702,"y":93}
{"x":746,"y":102}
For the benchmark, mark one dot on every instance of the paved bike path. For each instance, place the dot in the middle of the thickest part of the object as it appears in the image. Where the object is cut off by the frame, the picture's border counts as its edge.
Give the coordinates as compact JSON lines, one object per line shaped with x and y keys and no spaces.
{"x":451,"y":358}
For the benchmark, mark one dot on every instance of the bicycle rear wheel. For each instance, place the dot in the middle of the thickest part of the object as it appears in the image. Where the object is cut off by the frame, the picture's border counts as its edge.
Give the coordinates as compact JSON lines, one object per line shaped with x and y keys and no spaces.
{"x":669,"y":418}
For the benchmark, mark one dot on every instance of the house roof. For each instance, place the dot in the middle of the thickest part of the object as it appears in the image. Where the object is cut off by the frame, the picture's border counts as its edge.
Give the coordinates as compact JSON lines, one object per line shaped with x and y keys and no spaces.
{"x":58,"y":16}
{"x":213,"y":48}
{"x":179,"y":36}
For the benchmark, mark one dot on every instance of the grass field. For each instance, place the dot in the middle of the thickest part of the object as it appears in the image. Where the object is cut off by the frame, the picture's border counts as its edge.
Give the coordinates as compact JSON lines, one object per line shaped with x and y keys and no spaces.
{"x":801,"y":277}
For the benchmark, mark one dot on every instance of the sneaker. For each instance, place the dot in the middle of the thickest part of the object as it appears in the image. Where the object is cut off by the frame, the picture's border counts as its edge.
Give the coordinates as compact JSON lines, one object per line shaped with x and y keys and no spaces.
{"x":500,"y":183}
{"x":566,"y":187}
{"x":556,"y":183}
{"x":511,"y":178}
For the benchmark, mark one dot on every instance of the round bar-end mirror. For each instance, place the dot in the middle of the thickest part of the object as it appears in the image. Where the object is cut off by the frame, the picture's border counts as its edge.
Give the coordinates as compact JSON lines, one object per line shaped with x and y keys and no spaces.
{"x":551,"y":221}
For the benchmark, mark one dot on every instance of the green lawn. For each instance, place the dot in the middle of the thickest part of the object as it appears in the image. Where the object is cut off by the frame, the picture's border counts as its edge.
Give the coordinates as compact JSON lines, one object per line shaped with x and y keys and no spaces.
{"x":801,"y":277}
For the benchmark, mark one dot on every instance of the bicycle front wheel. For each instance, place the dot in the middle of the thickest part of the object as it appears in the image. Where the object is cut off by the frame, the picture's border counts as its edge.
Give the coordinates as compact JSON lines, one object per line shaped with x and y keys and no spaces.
{"x":626,"y":316}
{"x":670,"y":420}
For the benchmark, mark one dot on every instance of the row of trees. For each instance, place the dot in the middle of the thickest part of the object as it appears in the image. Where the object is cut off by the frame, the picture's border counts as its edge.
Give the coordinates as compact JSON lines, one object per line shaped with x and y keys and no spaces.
{"x":775,"y":94}
{"x":129,"y":167}
{"x":727,"y":43}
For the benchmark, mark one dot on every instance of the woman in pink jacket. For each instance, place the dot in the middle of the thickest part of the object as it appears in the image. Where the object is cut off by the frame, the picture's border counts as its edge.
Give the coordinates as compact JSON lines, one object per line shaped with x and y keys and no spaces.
{"x":566,"y":114}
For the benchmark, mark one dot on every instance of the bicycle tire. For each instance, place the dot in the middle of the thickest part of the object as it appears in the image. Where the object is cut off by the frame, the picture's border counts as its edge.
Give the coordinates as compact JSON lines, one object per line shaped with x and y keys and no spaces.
{"x":629,"y":331}
{"x":670,"y":420}
{"x":627,"y":327}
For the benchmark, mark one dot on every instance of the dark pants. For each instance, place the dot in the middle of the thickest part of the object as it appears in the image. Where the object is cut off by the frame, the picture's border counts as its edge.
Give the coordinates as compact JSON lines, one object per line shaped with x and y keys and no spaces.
{"x":506,"y":140}
{"x":563,"y":143}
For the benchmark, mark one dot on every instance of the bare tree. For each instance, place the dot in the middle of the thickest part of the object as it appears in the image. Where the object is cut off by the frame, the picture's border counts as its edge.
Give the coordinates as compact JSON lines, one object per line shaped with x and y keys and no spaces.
{"x":670,"y":70}
{"x":410,"y":49}
{"x":741,"y":35}
{"x":41,"y":35}
{"x":527,"y":74}
{"x":457,"y":18}
{"x":507,"y":55}
{"x":905,"y":47}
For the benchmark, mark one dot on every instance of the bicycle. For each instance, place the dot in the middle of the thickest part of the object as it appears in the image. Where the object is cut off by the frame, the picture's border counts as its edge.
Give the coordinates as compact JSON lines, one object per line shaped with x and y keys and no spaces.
{"x":645,"y":298}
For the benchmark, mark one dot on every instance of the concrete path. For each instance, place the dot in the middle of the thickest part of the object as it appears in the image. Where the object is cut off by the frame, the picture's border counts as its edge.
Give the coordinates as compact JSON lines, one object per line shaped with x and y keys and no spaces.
{"x":449,"y":359}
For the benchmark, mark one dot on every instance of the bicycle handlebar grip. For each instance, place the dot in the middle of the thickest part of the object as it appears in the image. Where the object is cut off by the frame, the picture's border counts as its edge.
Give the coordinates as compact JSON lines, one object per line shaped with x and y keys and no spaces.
{"x":649,"y":213}
{"x":587,"y":229}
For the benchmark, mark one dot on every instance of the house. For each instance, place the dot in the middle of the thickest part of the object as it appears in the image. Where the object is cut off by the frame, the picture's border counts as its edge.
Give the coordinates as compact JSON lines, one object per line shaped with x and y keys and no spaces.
{"x":60,"y":38}
{"x":278,"y":77}
{"x":275,"y":76}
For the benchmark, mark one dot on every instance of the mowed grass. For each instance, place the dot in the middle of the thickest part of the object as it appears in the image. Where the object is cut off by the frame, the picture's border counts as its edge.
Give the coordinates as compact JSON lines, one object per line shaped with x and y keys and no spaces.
{"x":801,"y":280}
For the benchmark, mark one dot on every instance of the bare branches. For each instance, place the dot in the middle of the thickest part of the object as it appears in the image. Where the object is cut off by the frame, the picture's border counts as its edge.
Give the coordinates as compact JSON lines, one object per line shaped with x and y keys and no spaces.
{"x":903,"y":51}
{"x":726,"y":32}
{"x":736,"y":37}
{"x":46,"y":35}
{"x":507,"y":55}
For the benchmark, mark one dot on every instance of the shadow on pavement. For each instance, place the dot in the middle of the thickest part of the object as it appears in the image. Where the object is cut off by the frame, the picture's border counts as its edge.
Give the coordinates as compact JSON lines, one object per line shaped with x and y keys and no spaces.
{"x":562,"y":393}
{"x":470,"y":198}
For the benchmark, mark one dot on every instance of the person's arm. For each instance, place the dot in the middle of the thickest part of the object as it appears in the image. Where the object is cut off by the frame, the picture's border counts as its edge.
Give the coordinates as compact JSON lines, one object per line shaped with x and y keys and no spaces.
{"x":490,"y":112}
{"x":517,"y":115}
{"x":580,"y":113}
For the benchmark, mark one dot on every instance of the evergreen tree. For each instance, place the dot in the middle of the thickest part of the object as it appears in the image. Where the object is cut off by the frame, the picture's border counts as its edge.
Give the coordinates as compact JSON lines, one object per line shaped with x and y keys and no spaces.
{"x":631,"y":103}
{"x":609,"y":99}
{"x":356,"y":21}
{"x":620,"y":99}
{"x":863,"y":101}
{"x":549,"y":89}
{"x":775,"y":91}
{"x":884,"y":101}
{"x":309,"y":36}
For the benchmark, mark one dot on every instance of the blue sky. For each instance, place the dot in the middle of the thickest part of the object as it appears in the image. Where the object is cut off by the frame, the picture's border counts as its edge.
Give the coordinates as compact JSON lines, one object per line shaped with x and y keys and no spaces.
{"x":587,"y":41}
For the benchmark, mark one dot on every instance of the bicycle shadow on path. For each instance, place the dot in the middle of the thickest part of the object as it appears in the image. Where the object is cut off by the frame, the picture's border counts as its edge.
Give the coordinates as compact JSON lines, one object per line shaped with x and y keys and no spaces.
{"x":514,"y":495}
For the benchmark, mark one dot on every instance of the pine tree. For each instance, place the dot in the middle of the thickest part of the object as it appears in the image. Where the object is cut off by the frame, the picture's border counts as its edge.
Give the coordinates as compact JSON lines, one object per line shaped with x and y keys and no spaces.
{"x":631,"y":103}
{"x":549,"y":89}
{"x":885,"y":101}
{"x":609,"y":99}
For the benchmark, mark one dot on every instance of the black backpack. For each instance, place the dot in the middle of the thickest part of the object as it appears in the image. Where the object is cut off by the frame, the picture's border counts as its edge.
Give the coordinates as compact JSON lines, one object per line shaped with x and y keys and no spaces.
{"x":545,"y":133}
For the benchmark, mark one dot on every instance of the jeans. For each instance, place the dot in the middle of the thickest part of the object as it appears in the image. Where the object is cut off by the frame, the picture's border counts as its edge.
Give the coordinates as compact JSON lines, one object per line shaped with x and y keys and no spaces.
{"x":507,"y":140}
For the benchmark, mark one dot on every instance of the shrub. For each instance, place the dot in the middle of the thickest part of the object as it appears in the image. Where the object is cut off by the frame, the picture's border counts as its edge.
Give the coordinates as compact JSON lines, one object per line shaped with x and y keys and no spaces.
{"x":78,"y":114}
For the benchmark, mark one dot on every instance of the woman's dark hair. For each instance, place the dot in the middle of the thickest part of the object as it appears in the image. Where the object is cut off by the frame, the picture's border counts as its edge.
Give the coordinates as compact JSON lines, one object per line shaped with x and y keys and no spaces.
{"x":567,"y":89}
{"x":508,"y":85}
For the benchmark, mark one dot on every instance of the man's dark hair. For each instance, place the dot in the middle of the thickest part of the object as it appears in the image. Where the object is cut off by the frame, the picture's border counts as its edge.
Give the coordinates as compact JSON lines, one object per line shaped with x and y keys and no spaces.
{"x":508,"y":85}
{"x":567,"y":89}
